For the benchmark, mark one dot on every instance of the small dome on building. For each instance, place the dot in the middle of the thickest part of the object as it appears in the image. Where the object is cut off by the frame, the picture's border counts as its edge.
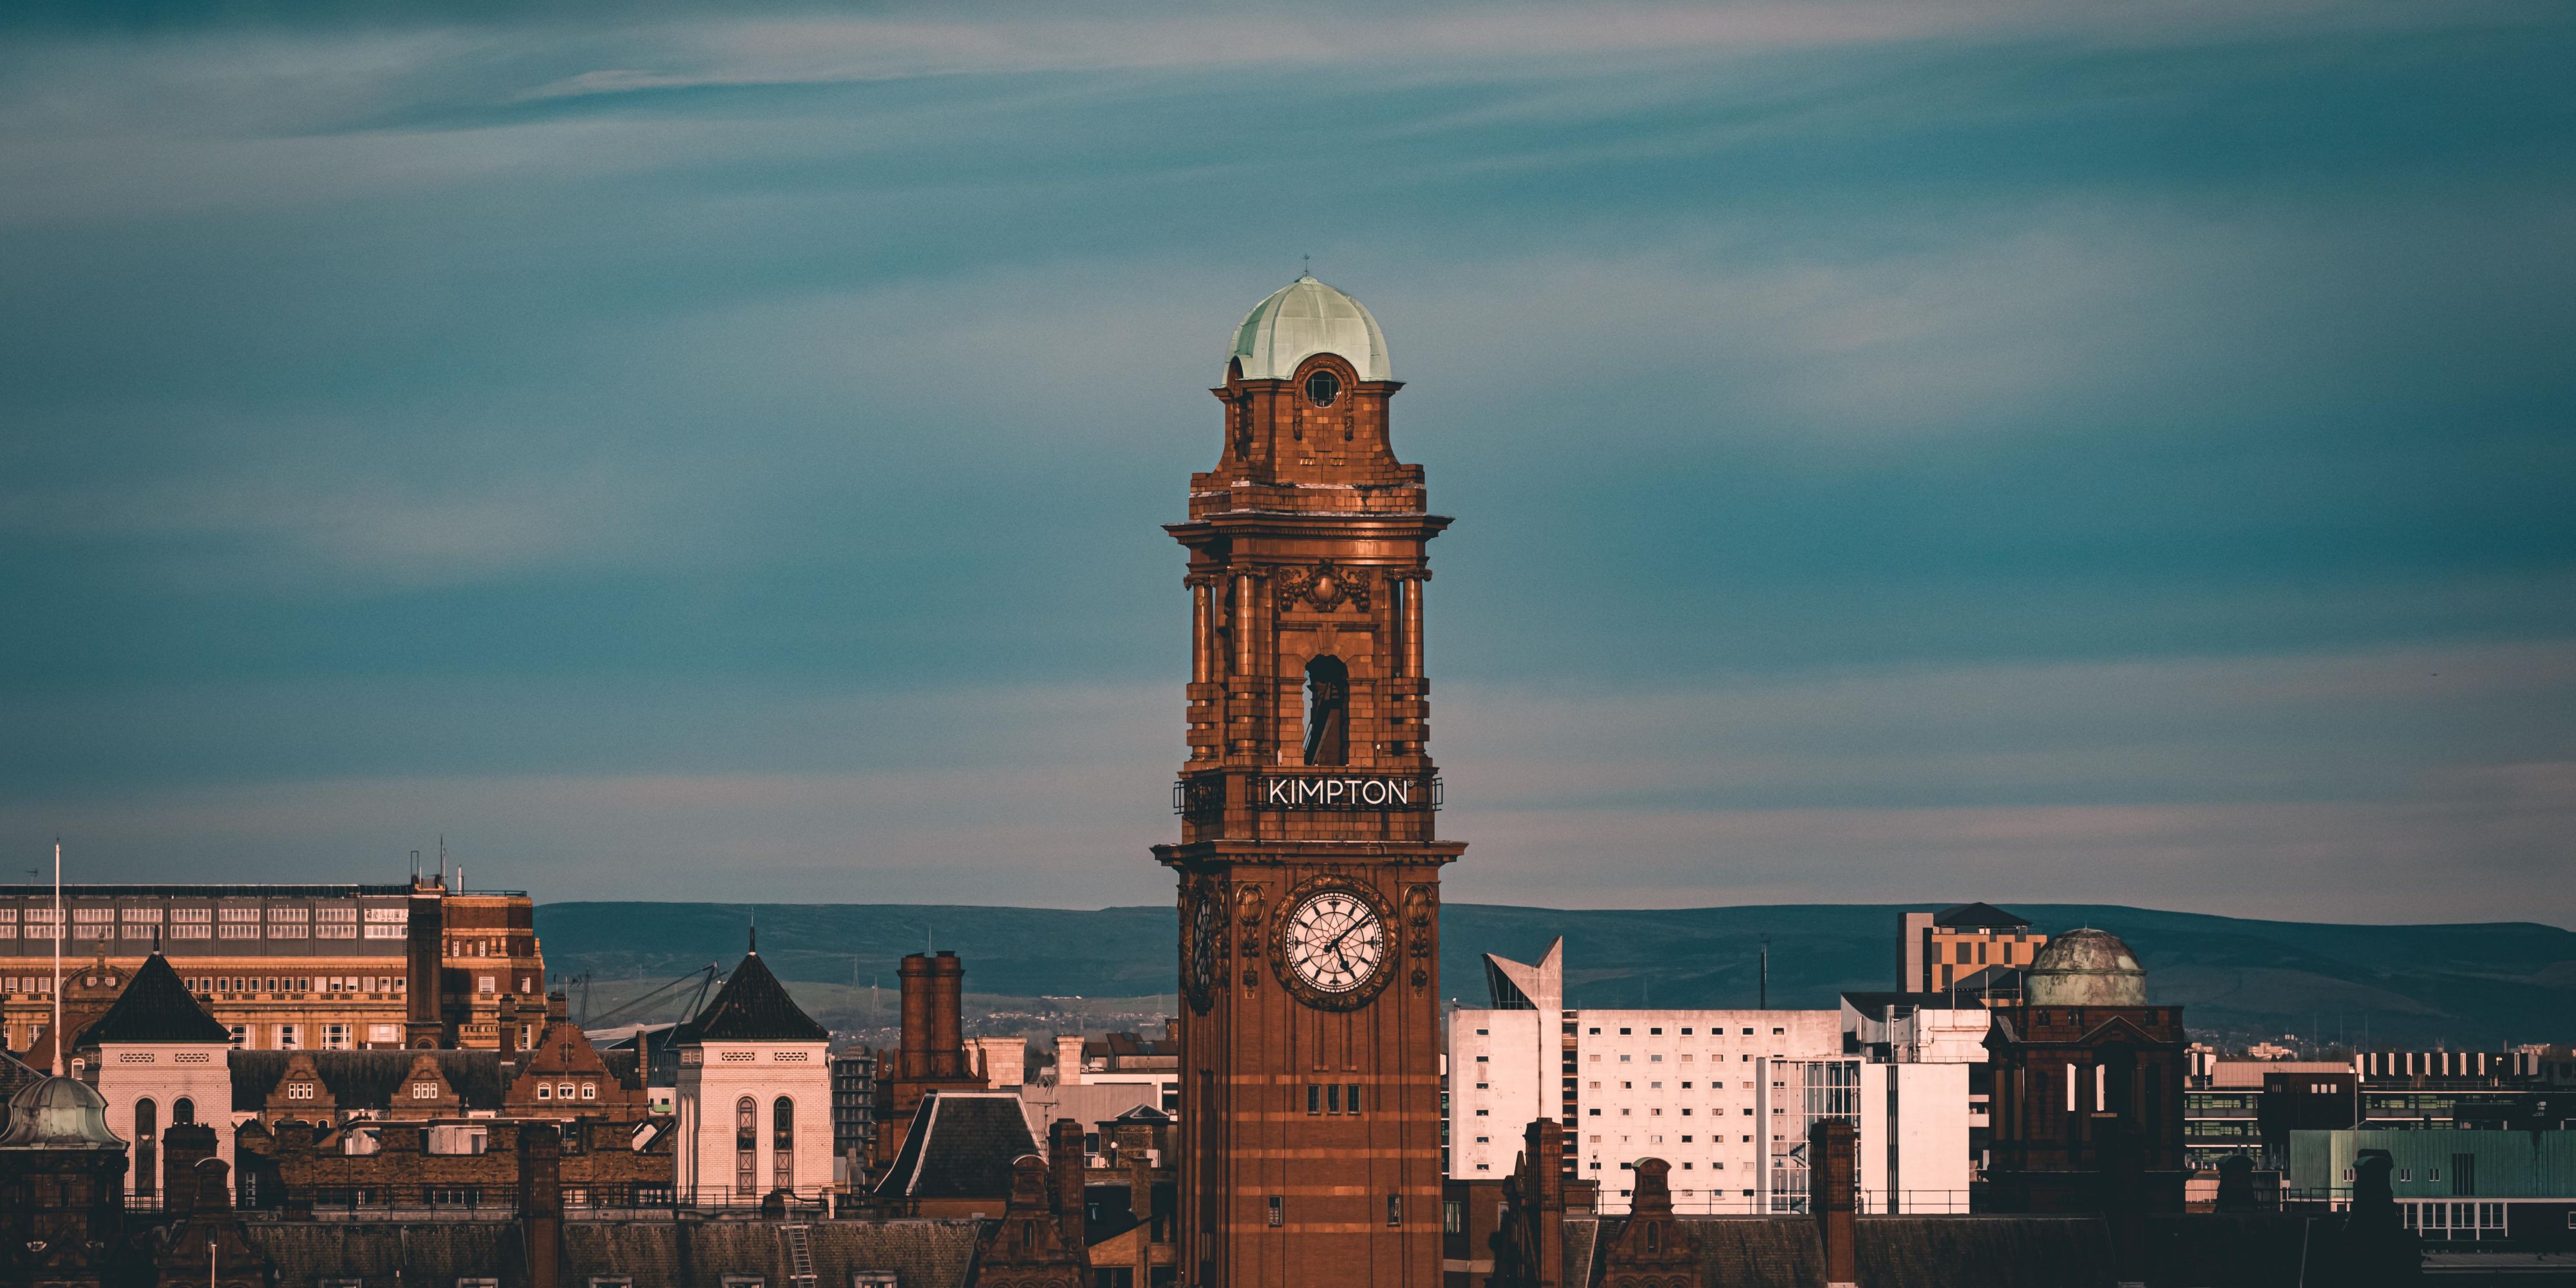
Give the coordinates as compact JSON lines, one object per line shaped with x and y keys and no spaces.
{"x":1305,"y":318}
{"x":2085,"y":968}
{"x":58,"y":1113}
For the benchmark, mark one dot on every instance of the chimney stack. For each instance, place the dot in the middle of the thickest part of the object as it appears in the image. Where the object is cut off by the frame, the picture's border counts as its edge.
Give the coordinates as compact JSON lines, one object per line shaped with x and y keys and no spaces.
{"x":183,"y":1146}
{"x":1065,"y":1159}
{"x":541,"y":1203}
{"x":947,"y":1016}
{"x":1833,"y":1160}
{"x":424,"y":962}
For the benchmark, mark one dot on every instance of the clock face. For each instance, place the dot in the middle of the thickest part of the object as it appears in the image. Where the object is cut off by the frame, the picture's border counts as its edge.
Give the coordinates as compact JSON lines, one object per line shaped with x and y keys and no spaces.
{"x":1207,"y":920}
{"x":1335,"y":942}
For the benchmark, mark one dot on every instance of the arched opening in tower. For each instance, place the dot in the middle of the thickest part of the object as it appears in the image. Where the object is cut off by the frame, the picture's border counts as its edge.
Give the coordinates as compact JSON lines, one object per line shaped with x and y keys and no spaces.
{"x":1328,"y":707}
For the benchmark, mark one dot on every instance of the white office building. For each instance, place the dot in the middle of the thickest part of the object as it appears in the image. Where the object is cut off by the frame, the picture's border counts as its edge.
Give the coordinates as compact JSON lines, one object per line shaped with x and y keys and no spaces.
{"x":1727,"y":1097}
{"x":1724,"y":1096}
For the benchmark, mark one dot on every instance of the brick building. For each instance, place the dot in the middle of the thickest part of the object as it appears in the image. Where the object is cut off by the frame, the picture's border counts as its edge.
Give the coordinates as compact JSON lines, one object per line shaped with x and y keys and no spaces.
{"x":286,"y":967}
{"x":1308,"y":861}
{"x":2088,"y":1085}
{"x":932,"y":1055}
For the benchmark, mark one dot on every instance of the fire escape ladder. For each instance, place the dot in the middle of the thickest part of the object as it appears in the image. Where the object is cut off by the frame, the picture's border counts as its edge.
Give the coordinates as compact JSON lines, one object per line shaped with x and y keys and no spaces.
{"x":800,"y":1254}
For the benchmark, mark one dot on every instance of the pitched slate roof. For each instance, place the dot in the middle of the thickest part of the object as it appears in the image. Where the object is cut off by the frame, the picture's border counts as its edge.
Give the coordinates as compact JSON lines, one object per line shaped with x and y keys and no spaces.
{"x":1991,"y":1251}
{"x":1888,"y":1251}
{"x":960,"y":1146}
{"x":754,"y":1007}
{"x":655,"y":1254}
{"x":1979,"y":916}
{"x":155,"y":1007}
{"x":367,"y":1079}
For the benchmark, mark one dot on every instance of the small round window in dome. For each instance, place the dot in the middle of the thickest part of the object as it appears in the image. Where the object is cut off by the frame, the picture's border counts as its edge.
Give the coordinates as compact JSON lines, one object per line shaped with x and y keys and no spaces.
{"x":1322,"y":388}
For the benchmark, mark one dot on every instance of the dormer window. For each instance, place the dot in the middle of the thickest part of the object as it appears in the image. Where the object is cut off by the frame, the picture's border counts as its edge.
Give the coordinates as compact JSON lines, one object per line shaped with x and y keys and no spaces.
{"x":1323,"y":388}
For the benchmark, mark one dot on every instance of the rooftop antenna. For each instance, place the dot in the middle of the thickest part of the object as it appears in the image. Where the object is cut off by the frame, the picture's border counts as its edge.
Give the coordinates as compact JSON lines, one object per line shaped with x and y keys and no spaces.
{"x":442,"y":860}
{"x":1764,"y":996}
{"x":1306,"y":265}
{"x":415,"y":867}
{"x":58,"y":956}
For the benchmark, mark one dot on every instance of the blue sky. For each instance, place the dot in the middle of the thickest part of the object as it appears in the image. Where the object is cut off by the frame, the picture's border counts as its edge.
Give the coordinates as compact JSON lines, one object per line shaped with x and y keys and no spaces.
{"x":1923,"y":451}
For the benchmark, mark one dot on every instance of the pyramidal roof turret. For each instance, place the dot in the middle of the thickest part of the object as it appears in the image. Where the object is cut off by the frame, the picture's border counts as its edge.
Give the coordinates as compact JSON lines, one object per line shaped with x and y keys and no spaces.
{"x":155,"y":1007}
{"x":752,"y":1007}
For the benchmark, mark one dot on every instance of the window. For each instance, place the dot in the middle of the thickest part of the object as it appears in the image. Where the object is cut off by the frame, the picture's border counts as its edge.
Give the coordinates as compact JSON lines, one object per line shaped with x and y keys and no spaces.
{"x":873,"y":1279}
{"x":746,"y":1145}
{"x":1394,"y":1210}
{"x":1278,"y":1217}
{"x":603,"y":1281}
{"x":545,"y":1091}
{"x":1623,"y":1033}
{"x":1322,"y":388}
{"x":1453,"y":1218}
{"x":1353,"y":1099}
{"x":782,"y":1144}
{"x":146,"y":1152}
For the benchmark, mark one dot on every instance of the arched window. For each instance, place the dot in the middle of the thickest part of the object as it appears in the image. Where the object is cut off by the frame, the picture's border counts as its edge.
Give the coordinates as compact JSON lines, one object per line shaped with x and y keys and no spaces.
{"x":147,"y":1150}
{"x":1328,"y":706}
{"x":782,"y":1144}
{"x":746,"y":1147}
{"x":183,"y":1111}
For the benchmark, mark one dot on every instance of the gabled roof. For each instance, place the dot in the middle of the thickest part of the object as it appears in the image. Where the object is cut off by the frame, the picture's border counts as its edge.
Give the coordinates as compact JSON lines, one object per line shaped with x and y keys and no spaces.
{"x":961,"y":1145}
{"x":1979,"y":916}
{"x":754,"y":1007}
{"x":155,"y":1007}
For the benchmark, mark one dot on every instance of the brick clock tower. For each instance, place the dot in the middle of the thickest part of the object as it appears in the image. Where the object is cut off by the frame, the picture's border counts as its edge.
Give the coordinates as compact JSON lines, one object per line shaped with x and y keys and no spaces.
{"x":1309,"y":867}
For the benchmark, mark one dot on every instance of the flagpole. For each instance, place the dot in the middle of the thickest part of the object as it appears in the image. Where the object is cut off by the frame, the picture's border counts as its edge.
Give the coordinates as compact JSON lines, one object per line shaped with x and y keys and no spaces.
{"x":58,"y":956}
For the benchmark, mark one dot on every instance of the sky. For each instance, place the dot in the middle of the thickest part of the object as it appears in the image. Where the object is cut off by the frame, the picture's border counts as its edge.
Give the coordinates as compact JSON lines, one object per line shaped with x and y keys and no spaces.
{"x":1920,"y":451}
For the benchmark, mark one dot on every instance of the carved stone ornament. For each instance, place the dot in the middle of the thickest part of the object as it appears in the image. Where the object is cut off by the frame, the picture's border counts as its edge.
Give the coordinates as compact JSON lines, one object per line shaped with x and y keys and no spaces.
{"x":1421,"y":911}
{"x":1326,"y":586}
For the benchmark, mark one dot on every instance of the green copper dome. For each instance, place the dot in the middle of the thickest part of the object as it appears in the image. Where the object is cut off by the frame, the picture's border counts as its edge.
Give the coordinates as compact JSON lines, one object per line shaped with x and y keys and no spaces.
{"x":1305,"y":318}
{"x":2085,"y":968}
{"x":59,"y":1113}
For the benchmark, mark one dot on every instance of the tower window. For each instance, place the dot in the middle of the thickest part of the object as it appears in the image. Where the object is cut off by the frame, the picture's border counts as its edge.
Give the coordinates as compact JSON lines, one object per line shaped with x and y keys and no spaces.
{"x":1322,"y":388}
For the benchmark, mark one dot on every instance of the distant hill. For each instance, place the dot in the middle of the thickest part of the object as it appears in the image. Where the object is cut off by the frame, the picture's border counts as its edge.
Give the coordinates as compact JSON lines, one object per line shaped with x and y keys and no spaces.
{"x":2466,"y":985}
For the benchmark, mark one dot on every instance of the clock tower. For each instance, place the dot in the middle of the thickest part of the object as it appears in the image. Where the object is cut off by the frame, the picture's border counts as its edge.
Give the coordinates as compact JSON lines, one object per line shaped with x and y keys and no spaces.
{"x":1308,"y":862}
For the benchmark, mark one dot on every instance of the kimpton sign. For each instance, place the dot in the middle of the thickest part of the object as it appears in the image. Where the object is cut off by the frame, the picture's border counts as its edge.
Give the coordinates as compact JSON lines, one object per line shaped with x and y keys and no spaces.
{"x":1357,"y":792}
